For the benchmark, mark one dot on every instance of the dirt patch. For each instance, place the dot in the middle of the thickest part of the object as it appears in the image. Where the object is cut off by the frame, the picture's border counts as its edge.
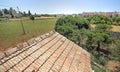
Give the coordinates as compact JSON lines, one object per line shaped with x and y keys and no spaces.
{"x":115,"y":28}
{"x":113,"y":65}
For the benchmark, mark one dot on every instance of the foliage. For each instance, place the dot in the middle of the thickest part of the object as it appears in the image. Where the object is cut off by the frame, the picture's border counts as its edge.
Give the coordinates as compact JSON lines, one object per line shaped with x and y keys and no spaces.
{"x":29,"y":13}
{"x":99,"y":19}
{"x":47,"y":15}
{"x":72,"y":27}
{"x":1,"y":14}
{"x":93,"y":40}
{"x":32,"y":17}
{"x":116,"y":20}
{"x":99,"y":35}
{"x":25,"y":14}
{"x":75,"y":22}
{"x":99,"y":58}
{"x":116,"y":51}
{"x":13,"y":13}
{"x":6,"y":11}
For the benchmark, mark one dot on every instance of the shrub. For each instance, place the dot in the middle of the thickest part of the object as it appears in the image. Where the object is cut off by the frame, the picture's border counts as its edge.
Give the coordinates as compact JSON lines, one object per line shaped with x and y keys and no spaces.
{"x":72,"y":27}
{"x":32,"y":17}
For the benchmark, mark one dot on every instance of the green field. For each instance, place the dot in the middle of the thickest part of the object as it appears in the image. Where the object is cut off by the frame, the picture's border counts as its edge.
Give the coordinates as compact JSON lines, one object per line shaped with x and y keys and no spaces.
{"x":11,"y":31}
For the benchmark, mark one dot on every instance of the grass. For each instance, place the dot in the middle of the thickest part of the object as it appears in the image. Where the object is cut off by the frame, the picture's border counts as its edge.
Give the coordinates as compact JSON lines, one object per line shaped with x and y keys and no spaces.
{"x":11,"y":31}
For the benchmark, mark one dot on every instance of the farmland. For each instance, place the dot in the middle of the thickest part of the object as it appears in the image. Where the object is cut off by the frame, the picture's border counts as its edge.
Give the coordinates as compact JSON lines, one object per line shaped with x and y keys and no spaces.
{"x":11,"y":31}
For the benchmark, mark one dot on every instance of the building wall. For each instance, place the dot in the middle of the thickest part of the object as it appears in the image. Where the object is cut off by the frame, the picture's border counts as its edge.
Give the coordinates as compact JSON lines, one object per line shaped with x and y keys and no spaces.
{"x":110,"y":14}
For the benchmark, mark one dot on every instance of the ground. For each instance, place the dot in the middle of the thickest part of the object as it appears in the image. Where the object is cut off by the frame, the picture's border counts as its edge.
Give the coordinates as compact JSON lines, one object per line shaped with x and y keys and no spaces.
{"x":11,"y":31}
{"x":114,"y":28}
{"x":112,"y":65}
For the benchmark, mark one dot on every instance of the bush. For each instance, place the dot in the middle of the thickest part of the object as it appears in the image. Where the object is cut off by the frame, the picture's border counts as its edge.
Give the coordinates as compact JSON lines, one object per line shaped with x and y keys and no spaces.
{"x":75,"y":23}
{"x":32,"y":17}
{"x":72,"y":27}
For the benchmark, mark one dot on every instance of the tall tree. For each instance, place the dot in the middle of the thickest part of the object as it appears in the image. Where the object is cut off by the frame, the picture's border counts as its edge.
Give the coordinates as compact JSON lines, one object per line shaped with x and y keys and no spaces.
{"x":29,"y":13}
{"x":1,"y":14}
{"x":6,"y":11}
{"x":24,"y":13}
{"x":11,"y":12}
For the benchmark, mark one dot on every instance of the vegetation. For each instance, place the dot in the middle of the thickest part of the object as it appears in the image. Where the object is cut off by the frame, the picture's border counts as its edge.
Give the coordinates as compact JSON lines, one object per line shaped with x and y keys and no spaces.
{"x":32,"y":17}
{"x":97,"y":40}
{"x":71,"y":26}
{"x":99,"y":19}
{"x":29,"y":13}
{"x":102,"y":19}
{"x":116,"y":20}
{"x":11,"y":31}
{"x":48,"y":15}
{"x":116,"y":51}
{"x":99,"y":35}
{"x":13,"y":13}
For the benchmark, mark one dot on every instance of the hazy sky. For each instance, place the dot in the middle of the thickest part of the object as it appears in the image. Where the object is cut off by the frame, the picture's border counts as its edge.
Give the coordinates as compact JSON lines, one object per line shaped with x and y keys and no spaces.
{"x":62,"y":6}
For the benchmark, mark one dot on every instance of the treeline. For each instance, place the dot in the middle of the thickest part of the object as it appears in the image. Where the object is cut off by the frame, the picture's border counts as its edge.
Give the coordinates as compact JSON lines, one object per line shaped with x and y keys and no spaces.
{"x":12,"y":13}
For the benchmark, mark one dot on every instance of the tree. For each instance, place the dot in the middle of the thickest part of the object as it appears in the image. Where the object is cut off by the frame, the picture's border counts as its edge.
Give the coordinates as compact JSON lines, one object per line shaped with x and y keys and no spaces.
{"x":76,"y":22}
{"x":100,"y":19}
{"x":100,"y":35}
{"x":77,"y":29}
{"x":72,"y":27}
{"x":1,"y":14}
{"x":6,"y":11}
{"x":11,"y":12}
{"x":24,"y":13}
{"x":29,"y":13}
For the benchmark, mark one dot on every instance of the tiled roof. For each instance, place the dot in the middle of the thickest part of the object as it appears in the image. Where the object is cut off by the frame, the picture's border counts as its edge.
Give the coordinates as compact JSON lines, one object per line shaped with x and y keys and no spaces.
{"x":51,"y":52}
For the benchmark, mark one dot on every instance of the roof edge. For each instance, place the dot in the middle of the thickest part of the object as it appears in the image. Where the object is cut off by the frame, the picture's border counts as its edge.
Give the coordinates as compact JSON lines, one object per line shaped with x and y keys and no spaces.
{"x":25,"y":45}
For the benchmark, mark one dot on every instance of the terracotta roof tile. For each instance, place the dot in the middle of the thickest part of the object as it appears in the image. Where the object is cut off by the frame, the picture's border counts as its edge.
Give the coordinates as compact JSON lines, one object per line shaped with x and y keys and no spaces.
{"x":51,"y":52}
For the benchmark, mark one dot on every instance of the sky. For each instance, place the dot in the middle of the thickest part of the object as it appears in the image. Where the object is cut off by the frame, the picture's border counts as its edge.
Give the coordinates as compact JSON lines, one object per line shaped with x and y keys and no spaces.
{"x":62,"y":6}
